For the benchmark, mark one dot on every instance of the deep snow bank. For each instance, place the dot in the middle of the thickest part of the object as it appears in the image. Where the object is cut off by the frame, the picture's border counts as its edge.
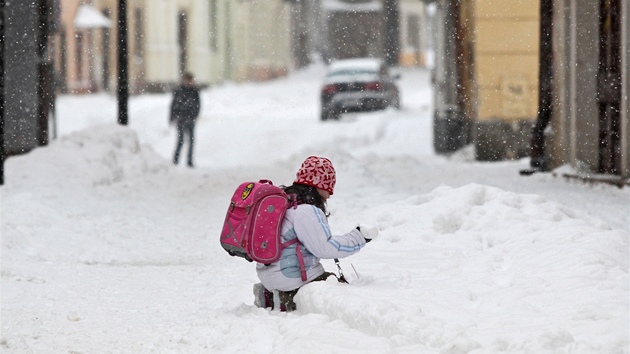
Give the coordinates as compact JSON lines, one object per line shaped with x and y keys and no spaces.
{"x":99,"y":155}
{"x":476,"y":267}
{"x":59,"y":199}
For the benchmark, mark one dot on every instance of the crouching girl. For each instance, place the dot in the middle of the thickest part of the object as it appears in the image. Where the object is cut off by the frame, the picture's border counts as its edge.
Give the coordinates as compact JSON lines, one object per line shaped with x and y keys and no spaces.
{"x":299,"y":263}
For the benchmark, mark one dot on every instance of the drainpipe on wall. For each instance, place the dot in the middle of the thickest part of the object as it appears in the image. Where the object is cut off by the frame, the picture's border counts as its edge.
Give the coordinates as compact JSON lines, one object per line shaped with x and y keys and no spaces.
{"x":539,"y":155}
{"x":449,"y":128}
{"x":609,"y":87}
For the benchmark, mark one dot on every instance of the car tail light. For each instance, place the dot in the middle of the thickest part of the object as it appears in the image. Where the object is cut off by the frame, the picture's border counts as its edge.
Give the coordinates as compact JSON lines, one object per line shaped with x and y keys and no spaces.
{"x":328,"y":89}
{"x":372,"y":86}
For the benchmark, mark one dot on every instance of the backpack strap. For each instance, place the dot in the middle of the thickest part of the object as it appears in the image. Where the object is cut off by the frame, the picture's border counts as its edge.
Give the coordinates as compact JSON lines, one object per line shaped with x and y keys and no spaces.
{"x":293,"y":203}
{"x":300,"y":256}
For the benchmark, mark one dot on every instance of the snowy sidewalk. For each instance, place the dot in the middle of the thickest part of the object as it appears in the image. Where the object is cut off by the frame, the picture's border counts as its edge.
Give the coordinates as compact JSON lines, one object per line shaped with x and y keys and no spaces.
{"x":108,"y":248}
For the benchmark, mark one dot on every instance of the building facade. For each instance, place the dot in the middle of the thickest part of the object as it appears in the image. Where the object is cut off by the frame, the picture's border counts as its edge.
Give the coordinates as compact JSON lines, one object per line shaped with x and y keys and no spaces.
{"x":339,"y":29}
{"x":354,"y":29}
{"x":548,"y":77}
{"x":486,"y":76}
{"x":216,"y":40}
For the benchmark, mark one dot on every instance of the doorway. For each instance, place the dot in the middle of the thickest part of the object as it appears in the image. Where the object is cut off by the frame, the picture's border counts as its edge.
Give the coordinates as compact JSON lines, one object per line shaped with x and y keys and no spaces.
{"x":182,"y":41}
{"x":609,"y":87}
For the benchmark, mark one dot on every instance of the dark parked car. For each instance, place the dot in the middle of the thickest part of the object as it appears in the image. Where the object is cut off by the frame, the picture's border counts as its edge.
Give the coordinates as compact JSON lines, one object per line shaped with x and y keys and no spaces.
{"x":361,"y":84}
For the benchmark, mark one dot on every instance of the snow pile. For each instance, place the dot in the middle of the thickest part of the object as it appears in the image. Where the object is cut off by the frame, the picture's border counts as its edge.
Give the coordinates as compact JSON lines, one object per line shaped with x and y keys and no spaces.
{"x":101,"y":155}
{"x":60,"y":184}
{"x":478,"y":267}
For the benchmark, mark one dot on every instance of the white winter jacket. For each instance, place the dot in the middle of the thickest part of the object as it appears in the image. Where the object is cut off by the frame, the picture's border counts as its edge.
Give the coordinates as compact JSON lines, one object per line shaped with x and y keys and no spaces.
{"x":308,"y":223}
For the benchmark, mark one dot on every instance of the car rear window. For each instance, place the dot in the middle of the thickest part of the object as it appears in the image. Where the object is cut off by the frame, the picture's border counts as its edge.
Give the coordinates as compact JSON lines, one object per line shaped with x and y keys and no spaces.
{"x":352,"y":72}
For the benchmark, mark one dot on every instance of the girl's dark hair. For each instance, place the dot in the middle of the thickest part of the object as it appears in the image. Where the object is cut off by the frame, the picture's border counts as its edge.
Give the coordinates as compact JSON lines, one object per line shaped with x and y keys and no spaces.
{"x":303,"y":194}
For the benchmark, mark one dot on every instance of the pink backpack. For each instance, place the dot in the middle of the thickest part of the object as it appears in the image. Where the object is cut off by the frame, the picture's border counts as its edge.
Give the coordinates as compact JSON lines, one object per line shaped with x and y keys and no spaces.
{"x":253,"y":222}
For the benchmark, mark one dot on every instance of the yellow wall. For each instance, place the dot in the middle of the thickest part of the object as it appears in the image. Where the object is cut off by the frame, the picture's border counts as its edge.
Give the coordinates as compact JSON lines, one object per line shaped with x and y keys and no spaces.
{"x":506,"y":40}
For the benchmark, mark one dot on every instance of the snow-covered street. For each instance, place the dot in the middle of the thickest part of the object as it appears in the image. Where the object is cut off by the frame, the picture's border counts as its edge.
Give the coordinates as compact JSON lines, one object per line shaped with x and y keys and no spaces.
{"x":107,"y":247}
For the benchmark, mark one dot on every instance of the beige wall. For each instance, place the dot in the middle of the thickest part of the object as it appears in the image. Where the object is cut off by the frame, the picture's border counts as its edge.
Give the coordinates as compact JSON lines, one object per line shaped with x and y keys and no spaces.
{"x":269,"y":46}
{"x":162,"y":50}
{"x":161,"y":54}
{"x":259,"y":45}
{"x":506,"y":58}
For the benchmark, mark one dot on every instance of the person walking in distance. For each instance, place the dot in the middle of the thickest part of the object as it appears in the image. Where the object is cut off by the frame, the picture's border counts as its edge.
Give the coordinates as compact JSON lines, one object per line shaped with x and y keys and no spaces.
{"x":184,"y":112}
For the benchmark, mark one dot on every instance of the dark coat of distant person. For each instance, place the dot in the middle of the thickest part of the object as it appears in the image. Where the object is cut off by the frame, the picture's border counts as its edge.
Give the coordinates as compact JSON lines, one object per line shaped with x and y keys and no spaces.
{"x":185,"y":108}
{"x":186,"y":104}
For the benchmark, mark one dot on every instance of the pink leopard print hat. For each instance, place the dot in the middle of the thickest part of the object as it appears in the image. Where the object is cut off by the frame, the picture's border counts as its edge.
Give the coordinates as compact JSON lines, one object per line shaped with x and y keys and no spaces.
{"x":317,"y":172}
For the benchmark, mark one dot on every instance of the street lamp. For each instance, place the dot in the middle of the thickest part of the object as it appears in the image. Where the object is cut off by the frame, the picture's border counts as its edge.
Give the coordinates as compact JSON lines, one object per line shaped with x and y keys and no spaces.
{"x":1,"y":92}
{"x":123,"y":82}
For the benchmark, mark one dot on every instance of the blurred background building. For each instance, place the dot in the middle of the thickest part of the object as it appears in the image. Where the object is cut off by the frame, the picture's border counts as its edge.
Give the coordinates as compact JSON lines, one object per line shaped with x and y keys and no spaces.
{"x":546,"y":78}
{"x":219,"y":40}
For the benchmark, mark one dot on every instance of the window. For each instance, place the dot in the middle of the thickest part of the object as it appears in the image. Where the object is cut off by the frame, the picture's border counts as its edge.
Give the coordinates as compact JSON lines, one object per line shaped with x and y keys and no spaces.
{"x":138,"y":33}
{"x":413,"y":32}
{"x":79,"y":54}
{"x":214,"y":38}
{"x":182,"y":39}
{"x":105,"y":52}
